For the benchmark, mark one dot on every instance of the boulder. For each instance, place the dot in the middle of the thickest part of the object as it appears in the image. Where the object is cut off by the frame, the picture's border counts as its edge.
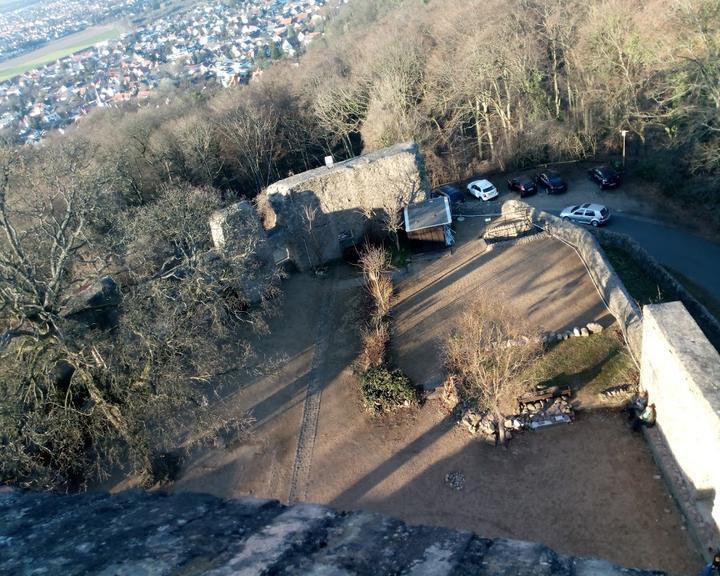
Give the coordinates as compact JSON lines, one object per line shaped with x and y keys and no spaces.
{"x":95,"y":305}
{"x":576,"y":331}
{"x":594,"y":327}
{"x":584,"y":332}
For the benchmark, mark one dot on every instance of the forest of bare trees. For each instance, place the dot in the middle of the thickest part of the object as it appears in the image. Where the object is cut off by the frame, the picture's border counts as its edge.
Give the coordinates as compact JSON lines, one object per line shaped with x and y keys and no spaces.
{"x":479,"y":85}
{"x":498,"y":84}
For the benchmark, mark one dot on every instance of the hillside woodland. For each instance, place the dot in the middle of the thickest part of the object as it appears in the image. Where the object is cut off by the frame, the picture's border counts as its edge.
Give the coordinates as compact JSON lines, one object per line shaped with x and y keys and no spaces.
{"x":496,"y":84}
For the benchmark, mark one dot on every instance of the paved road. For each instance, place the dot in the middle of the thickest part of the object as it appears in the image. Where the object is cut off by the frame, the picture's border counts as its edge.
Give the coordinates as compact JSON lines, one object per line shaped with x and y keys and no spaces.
{"x":676,"y":247}
{"x":695,"y":257}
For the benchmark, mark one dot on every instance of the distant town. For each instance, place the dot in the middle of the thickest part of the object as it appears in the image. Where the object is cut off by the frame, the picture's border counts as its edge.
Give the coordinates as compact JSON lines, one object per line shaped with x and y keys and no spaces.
{"x":211,"y":42}
{"x":38,"y":23}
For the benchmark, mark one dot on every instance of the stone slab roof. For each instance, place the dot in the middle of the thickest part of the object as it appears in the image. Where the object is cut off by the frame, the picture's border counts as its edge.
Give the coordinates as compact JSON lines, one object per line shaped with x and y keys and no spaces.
{"x":140,"y":533}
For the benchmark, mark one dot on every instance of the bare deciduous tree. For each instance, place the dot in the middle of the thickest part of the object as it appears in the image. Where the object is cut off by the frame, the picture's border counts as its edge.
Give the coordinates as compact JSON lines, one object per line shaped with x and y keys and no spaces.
{"x":376,"y":272}
{"x":488,"y":354}
{"x":81,"y":396}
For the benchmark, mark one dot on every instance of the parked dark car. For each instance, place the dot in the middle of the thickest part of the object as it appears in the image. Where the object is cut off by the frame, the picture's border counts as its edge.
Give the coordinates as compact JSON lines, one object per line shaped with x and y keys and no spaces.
{"x":522,"y":184}
{"x":452,"y":192}
{"x":551,"y":181}
{"x":605,"y":176}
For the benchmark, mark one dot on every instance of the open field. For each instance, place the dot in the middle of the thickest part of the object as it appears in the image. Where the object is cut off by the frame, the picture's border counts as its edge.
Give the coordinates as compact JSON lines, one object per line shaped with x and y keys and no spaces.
{"x":588,"y":489}
{"x":59,"y":49}
{"x":8,"y":5}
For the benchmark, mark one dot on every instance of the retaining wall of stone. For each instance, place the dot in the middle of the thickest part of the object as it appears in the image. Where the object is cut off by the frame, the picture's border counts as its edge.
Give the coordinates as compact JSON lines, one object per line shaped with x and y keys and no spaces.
{"x":681,"y":372}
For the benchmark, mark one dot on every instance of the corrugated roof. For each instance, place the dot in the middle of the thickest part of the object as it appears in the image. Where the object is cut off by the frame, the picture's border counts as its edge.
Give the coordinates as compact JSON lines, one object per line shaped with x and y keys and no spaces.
{"x":427,"y":214}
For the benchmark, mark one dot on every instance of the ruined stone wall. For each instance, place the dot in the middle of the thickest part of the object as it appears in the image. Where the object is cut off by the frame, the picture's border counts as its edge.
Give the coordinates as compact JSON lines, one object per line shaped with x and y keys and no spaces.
{"x":134,"y":533}
{"x":338,"y":199}
{"x":681,"y":372}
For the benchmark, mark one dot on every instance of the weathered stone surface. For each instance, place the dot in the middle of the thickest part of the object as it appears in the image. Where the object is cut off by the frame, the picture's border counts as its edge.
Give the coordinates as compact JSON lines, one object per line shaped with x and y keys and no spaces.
{"x":138,"y":533}
{"x":95,"y":305}
{"x":584,"y":331}
{"x":594,"y":327}
{"x":681,"y":373}
{"x":238,"y":230}
{"x":339,"y":200}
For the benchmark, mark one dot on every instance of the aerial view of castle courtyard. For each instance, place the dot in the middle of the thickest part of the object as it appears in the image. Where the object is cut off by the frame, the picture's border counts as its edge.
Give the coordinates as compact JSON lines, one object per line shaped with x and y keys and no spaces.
{"x":360,"y":287}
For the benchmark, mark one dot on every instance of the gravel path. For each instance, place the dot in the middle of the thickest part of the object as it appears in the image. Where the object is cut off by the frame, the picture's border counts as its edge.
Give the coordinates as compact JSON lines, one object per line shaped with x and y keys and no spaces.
{"x":311,"y":408}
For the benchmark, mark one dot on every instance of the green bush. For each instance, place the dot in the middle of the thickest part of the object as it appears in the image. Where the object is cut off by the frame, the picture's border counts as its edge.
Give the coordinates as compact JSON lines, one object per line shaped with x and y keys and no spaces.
{"x":385,"y":390}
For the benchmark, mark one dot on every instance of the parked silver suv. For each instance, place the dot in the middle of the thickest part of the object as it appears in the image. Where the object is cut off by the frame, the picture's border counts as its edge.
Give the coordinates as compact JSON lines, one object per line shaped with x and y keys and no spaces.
{"x":593,"y":214}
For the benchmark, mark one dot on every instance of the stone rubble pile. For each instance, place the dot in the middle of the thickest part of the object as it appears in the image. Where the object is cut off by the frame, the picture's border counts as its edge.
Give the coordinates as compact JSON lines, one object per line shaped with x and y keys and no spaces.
{"x":533,"y":415}
{"x":455,"y":480}
{"x":547,"y":337}
{"x":577,"y":332}
{"x":621,"y":392}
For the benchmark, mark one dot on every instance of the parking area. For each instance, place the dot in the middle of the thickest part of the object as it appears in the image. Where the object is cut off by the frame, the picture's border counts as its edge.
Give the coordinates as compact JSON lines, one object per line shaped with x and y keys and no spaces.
{"x":633,"y":197}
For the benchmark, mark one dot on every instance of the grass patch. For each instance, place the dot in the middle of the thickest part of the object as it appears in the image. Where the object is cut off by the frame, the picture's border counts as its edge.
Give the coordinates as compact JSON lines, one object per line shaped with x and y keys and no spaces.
{"x":590,"y":364}
{"x":399,"y":258}
{"x":640,"y":286}
{"x":47,"y":54}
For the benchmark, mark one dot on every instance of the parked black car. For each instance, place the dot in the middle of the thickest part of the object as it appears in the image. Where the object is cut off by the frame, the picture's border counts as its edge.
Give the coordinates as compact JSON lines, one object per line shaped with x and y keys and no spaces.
{"x":605,"y":176}
{"x":522,"y":184}
{"x":551,"y":181}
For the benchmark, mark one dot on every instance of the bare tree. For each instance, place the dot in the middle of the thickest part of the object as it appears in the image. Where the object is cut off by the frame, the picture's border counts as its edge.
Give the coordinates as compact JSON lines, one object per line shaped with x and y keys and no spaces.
{"x":400,"y":192}
{"x":376,"y":272}
{"x":80,"y":397}
{"x":309,"y":218}
{"x":488,"y":355}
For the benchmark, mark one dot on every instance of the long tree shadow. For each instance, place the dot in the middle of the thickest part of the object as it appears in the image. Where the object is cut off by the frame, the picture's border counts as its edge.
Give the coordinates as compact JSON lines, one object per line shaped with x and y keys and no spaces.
{"x":577,"y":380}
{"x":586,"y":489}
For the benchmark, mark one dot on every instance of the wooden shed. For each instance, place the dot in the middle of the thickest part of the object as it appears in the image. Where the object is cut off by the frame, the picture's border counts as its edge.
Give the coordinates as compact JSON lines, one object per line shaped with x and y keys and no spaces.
{"x":429,"y":221}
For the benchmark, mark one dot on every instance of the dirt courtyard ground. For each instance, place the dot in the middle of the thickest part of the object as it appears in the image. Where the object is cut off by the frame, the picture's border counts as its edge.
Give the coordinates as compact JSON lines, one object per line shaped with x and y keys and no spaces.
{"x":543,"y":280}
{"x":590,"y":488}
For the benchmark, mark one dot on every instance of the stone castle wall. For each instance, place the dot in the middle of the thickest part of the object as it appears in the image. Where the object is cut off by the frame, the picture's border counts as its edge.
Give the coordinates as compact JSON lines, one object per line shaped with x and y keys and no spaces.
{"x":681,"y":372}
{"x":339,"y":199}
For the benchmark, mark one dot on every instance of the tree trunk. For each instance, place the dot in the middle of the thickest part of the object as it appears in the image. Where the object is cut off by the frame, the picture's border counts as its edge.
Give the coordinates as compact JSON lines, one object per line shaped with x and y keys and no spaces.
{"x":478,"y":130}
{"x":491,"y":140}
{"x":556,"y":88}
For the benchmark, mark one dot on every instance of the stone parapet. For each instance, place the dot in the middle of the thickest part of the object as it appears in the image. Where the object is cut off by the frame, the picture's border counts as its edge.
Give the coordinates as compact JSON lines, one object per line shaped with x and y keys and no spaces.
{"x":135,"y":533}
{"x":611,"y":289}
{"x":681,"y":372}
